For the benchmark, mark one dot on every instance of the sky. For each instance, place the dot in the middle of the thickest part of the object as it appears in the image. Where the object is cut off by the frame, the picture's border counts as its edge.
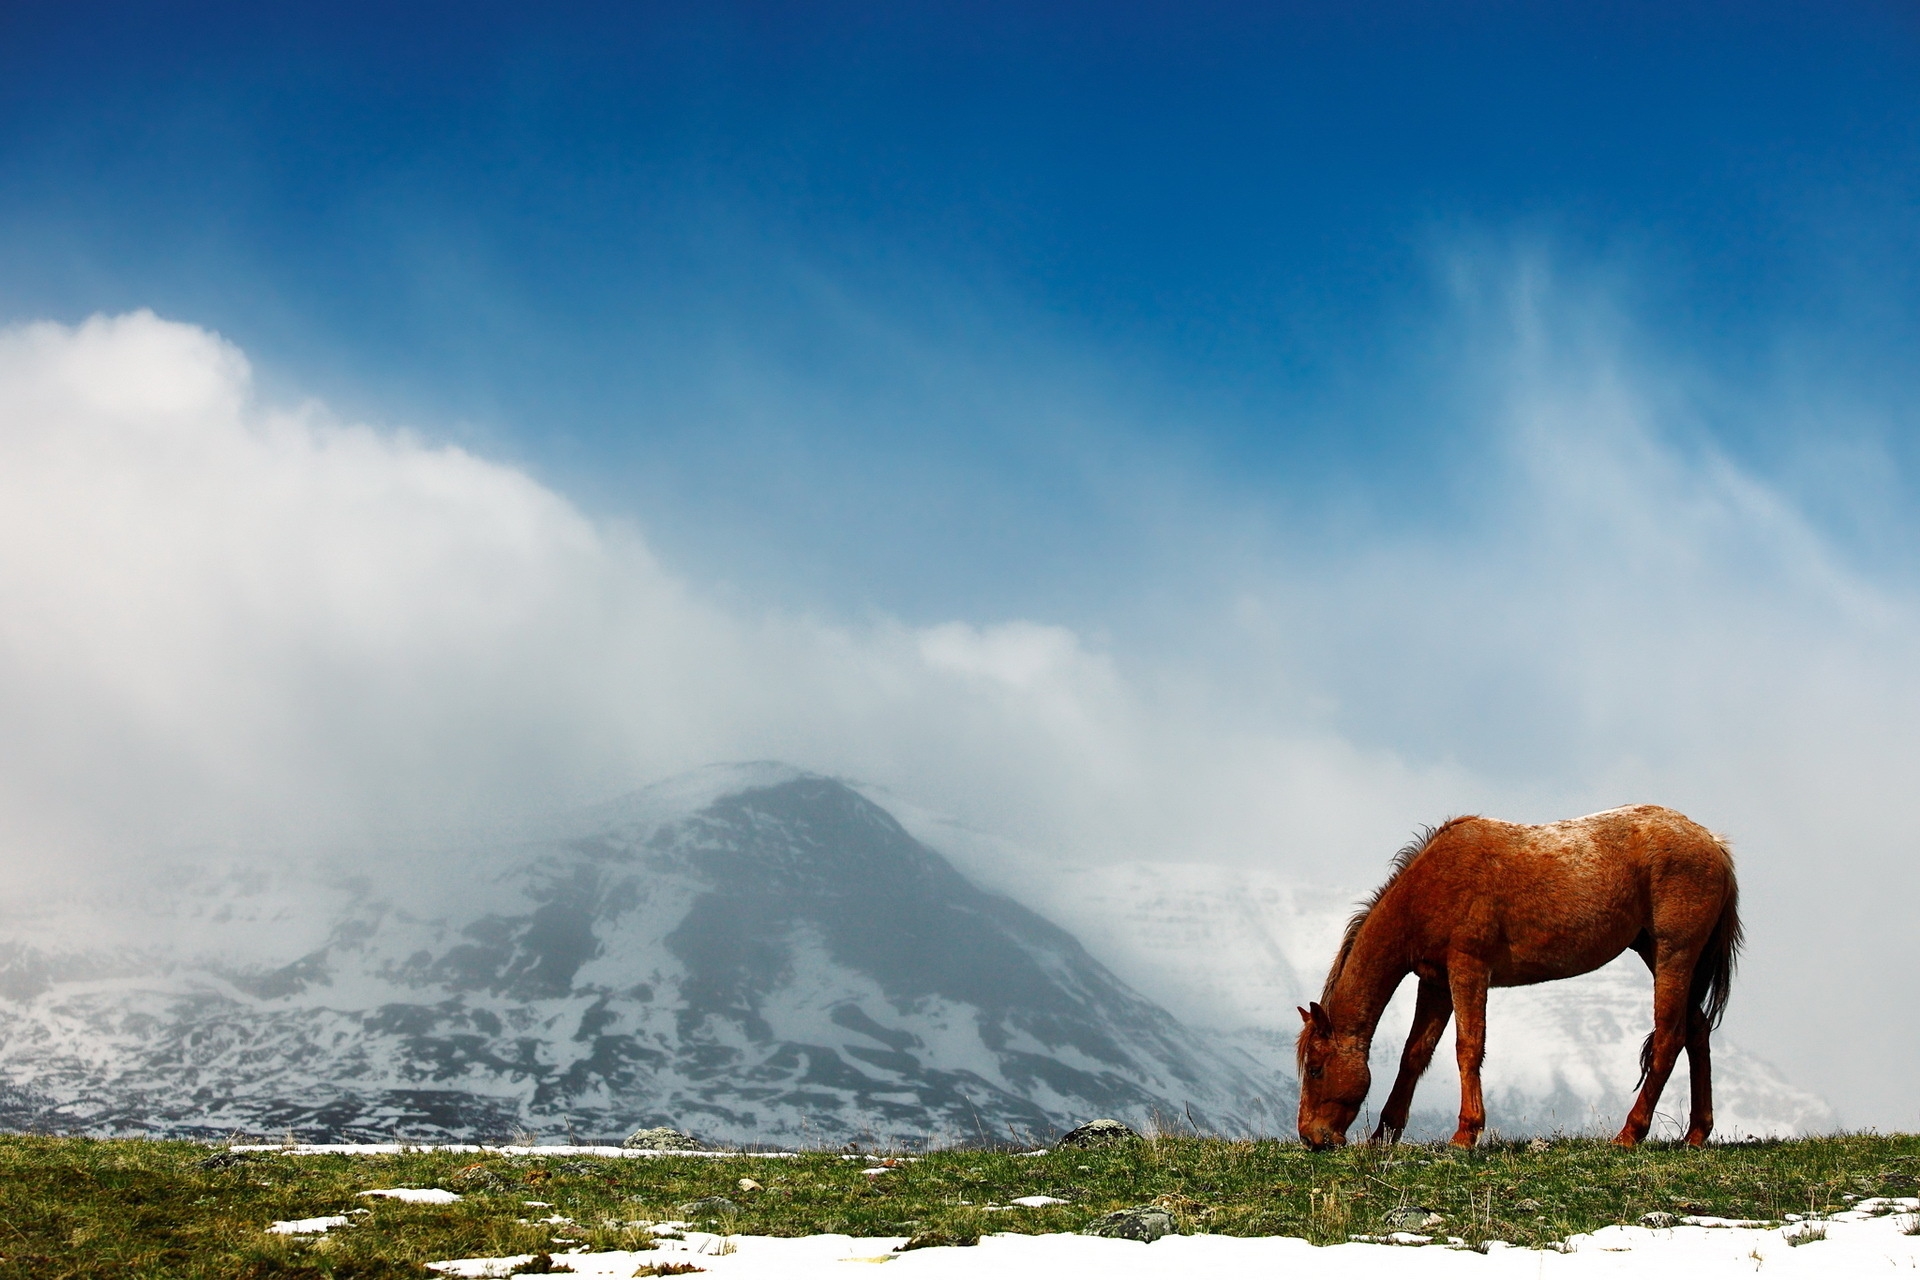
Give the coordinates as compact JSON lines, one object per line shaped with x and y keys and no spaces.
{"x":1223,"y":433}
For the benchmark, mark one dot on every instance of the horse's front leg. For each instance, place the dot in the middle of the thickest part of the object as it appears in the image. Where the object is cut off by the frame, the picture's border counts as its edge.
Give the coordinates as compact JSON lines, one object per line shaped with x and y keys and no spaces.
{"x":1430,"y":1013}
{"x":1467,"y":977}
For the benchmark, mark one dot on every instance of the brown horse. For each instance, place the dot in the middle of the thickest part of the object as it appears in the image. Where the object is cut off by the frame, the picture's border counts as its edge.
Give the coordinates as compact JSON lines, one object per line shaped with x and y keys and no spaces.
{"x":1478,"y":904}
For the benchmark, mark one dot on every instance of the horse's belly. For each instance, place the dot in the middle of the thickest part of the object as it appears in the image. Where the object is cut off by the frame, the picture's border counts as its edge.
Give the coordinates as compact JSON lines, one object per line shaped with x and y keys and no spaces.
{"x":1525,"y":975}
{"x":1543,"y":956}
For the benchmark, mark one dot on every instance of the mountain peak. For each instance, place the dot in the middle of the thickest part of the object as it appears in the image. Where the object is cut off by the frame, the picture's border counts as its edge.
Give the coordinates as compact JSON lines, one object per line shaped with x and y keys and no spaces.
{"x":754,"y":951}
{"x":684,"y":793}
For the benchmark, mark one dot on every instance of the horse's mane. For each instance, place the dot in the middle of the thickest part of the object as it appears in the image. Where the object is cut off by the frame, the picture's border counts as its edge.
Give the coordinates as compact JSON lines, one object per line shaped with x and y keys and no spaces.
{"x":1422,"y":838}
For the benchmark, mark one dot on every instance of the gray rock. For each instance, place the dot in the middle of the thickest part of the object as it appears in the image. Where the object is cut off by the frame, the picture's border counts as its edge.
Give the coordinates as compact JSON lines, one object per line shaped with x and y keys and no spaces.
{"x":1098,"y":1133}
{"x":479,"y":1178}
{"x":224,"y":1160}
{"x":1657,"y":1220}
{"x":709,"y":1206}
{"x":1414,"y":1218}
{"x":1145,"y":1223}
{"x":662,"y":1139}
{"x":938,"y":1240}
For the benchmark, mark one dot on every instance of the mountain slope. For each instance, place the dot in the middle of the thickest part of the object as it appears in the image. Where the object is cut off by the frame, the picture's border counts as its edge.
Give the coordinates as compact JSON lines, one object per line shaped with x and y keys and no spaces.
{"x":758,"y":954}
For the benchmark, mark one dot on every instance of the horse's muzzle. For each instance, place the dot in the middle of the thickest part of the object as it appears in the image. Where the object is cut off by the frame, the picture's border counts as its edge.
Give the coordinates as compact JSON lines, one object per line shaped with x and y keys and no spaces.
{"x":1323,"y":1138}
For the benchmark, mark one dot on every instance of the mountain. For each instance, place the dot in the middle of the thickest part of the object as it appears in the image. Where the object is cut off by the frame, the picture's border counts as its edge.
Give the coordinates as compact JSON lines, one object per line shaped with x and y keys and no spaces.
{"x":752,"y":953}
{"x":1235,"y":950}
{"x":756,"y":953}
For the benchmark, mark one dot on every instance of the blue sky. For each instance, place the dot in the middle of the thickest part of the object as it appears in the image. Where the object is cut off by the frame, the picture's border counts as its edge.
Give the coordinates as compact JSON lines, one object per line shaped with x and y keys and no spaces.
{"x":787,"y":283}
{"x":1230,"y":433}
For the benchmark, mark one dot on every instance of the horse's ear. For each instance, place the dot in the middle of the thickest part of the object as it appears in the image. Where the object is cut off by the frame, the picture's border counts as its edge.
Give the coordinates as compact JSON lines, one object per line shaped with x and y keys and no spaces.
{"x":1321,"y":1022}
{"x":1306,"y":1017}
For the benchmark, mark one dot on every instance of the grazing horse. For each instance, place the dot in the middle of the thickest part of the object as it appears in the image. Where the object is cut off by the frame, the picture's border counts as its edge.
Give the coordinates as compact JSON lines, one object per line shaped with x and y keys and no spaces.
{"x":1477,"y":903}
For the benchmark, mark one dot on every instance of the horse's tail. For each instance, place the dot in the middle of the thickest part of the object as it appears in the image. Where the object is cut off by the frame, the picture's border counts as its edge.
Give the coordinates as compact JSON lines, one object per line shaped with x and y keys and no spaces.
{"x":1713,"y":971}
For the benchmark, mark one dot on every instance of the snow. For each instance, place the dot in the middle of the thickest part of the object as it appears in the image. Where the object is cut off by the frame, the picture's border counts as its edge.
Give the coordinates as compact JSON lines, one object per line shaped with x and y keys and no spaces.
{"x":416,"y":1195}
{"x":307,"y":1226}
{"x":1867,"y":1240}
{"x":468,"y":1148}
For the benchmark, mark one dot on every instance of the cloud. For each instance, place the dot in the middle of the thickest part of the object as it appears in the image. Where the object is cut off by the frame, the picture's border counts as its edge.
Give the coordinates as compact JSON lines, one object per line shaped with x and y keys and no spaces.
{"x":234,"y":621}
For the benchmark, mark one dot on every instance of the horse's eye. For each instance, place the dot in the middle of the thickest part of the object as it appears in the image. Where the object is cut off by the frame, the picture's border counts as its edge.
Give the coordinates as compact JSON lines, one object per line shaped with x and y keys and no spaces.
{"x":1316,"y":1072}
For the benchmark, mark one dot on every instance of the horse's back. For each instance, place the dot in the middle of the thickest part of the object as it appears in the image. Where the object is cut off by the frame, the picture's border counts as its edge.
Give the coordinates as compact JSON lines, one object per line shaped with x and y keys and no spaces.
{"x":1647,"y":838}
{"x":1565,"y":897}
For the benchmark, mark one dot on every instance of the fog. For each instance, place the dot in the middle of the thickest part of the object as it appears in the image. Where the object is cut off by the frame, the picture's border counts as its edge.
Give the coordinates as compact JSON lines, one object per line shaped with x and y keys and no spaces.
{"x":242,"y":625}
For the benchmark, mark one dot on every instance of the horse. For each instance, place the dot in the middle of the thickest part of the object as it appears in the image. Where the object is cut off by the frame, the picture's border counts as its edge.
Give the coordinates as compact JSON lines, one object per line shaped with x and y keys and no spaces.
{"x":1477,"y":903}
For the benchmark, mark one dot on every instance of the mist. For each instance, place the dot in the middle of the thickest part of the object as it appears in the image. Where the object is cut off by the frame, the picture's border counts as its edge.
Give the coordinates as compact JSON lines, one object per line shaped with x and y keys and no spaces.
{"x":248,"y":625}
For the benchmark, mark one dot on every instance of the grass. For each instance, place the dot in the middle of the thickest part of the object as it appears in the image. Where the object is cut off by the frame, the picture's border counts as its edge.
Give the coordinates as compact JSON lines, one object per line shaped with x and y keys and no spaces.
{"x":83,"y":1207}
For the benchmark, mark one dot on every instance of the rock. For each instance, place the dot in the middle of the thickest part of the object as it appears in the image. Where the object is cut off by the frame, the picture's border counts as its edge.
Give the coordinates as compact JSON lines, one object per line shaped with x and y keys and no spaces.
{"x":223,"y":1160}
{"x":711,"y":1206}
{"x":1098,"y":1133}
{"x":938,"y":1240}
{"x":748,"y":1184}
{"x":1657,"y":1220}
{"x":1527,"y":1206}
{"x":1539,"y":1145}
{"x":1145,"y":1223}
{"x":662,"y":1139}
{"x":1414,"y":1218}
{"x":479,"y":1178}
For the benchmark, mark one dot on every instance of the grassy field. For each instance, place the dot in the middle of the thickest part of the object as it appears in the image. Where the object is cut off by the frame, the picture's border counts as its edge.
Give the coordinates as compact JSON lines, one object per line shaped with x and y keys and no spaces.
{"x":80,"y":1207}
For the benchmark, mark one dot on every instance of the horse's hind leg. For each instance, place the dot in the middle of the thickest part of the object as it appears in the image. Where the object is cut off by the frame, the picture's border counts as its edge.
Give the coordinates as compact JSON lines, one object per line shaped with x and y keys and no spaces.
{"x":1700,"y":1077}
{"x":1430,"y":1013}
{"x":1672,"y":980}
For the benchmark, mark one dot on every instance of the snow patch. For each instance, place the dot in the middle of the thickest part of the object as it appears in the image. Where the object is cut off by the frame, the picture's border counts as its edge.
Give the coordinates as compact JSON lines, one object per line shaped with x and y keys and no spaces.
{"x":416,"y":1195}
{"x":1859,"y":1242}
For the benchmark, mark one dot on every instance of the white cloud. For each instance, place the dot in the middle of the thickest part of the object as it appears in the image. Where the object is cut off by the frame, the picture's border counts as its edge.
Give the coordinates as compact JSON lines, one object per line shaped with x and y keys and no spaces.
{"x":227,"y":619}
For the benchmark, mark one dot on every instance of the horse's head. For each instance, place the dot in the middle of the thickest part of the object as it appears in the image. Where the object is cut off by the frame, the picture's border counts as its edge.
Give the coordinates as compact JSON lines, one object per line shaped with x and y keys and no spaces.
{"x":1334,"y":1078}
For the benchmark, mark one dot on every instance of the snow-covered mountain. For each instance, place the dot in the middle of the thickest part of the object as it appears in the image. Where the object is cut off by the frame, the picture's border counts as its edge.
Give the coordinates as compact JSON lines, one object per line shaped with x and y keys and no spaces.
{"x":756,"y":953}
{"x":753,"y":953}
